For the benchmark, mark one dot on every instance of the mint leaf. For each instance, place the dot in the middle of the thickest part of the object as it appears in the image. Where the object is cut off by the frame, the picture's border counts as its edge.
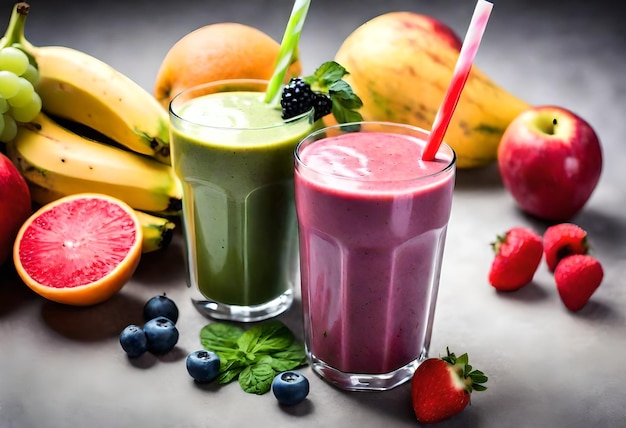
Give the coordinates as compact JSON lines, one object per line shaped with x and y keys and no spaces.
{"x":294,"y":352}
{"x":257,"y":379}
{"x":328,"y":79}
{"x":344,"y":115}
{"x":231,"y":364}
{"x":253,"y":356}
{"x":343,"y":92}
{"x":220,"y":336}
{"x":265,"y":359}
{"x":267,"y":337}
{"x":290,"y":358}
{"x":228,"y":355}
{"x":230,"y":374}
{"x":326,"y":74}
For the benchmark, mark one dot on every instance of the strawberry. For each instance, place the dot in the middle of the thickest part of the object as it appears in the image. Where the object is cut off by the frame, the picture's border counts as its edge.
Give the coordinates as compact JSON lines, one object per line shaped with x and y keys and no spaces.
{"x":441,"y":387}
{"x":577,"y":277}
{"x":518,"y":254}
{"x":562,"y":240}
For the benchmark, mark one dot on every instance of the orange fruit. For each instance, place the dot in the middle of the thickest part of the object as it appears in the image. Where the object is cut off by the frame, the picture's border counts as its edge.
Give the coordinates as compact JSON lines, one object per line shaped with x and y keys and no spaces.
{"x":219,"y":51}
{"x":79,"y":250}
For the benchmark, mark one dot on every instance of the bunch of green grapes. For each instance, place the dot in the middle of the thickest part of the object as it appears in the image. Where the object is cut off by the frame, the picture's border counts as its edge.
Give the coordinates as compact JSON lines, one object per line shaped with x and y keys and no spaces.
{"x":18,"y":100}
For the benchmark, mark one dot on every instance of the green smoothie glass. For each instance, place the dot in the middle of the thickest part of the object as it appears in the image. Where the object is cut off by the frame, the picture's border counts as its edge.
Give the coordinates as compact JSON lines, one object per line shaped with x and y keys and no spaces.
{"x":234,"y":156}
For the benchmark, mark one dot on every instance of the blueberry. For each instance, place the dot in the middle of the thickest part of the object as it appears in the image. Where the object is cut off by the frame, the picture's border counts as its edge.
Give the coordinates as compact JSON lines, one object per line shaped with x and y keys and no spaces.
{"x":160,"y":306}
{"x":133,"y":340}
{"x":290,"y":387}
{"x":162,"y":335}
{"x":203,"y":366}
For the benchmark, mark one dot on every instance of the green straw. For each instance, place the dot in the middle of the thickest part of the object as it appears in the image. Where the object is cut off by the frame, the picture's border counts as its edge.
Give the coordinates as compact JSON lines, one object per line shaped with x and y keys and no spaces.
{"x":288,"y":47}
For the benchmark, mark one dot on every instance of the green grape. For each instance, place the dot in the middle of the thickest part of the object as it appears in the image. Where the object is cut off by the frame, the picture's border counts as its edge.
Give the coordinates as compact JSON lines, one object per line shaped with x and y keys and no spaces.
{"x":9,"y":84}
{"x":4,"y":106}
{"x":2,"y":126}
{"x":31,"y":74}
{"x":27,"y":112}
{"x":10,"y":129}
{"x":24,"y":93}
{"x":14,"y":60}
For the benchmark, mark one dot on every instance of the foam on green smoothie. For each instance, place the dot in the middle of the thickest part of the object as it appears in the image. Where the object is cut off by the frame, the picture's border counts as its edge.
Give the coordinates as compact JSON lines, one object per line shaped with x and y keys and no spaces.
{"x":239,"y":110}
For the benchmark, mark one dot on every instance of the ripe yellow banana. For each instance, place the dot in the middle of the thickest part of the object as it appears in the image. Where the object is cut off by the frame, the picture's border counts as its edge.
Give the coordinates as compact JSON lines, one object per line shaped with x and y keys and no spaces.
{"x":58,"y":159}
{"x":76,"y":86}
{"x":157,"y":231}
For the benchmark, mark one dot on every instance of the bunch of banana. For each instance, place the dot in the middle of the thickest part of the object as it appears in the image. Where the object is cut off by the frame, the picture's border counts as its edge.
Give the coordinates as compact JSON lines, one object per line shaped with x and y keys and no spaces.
{"x":76,"y":86}
{"x":56,"y":158}
{"x":79,"y":87}
{"x":98,"y":131}
{"x":157,"y":231}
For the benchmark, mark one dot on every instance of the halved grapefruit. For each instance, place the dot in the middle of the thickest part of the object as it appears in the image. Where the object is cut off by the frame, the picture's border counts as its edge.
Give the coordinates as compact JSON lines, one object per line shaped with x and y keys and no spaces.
{"x":79,"y":250}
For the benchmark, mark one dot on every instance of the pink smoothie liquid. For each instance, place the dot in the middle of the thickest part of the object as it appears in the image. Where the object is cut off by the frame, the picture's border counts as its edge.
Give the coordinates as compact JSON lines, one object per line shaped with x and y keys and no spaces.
{"x":372,"y":224}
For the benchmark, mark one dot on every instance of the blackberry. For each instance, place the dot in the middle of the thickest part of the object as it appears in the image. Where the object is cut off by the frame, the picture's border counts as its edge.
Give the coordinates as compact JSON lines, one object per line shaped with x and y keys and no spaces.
{"x":322,"y":105}
{"x":297,"y":98}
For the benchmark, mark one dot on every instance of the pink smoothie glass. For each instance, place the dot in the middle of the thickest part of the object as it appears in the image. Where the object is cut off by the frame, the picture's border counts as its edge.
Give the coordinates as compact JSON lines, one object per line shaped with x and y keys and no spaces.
{"x":372,"y":220}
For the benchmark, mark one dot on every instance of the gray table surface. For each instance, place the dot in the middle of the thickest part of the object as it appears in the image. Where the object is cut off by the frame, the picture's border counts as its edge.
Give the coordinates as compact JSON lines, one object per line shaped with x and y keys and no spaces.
{"x":63,"y":367}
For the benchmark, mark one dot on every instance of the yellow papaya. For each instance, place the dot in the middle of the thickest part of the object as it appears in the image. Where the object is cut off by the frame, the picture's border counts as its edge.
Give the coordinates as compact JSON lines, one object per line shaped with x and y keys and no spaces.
{"x":401,"y":64}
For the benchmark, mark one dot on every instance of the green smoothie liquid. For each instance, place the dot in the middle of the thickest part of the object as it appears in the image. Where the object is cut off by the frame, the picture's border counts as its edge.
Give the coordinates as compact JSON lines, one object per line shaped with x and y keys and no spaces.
{"x":234,"y":156}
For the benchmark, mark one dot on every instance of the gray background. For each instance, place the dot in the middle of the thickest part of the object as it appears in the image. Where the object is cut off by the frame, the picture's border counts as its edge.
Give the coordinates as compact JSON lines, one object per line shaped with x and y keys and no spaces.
{"x":63,"y":367}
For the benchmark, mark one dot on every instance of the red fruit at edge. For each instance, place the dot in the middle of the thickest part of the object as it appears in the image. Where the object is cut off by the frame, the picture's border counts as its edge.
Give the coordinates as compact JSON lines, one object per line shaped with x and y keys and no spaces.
{"x":518,"y":254}
{"x":441,"y":387}
{"x":550,"y":160}
{"x":577,"y":277}
{"x":15,"y":205}
{"x":562,"y":240}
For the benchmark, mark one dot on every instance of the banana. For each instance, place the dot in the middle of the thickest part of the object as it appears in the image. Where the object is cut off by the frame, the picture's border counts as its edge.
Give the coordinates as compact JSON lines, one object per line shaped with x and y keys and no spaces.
{"x":58,"y":159}
{"x":76,"y":86}
{"x":41,"y":195}
{"x":157,"y":231}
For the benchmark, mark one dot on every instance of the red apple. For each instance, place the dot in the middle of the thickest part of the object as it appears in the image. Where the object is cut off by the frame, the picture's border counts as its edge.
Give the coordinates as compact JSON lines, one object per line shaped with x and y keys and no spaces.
{"x":15,"y":205}
{"x":550,"y":160}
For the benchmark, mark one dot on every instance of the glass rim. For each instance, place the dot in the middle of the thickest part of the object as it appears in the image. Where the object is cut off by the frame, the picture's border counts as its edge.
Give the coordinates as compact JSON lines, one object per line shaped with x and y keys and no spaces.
{"x":450,"y":164}
{"x":310,"y":113}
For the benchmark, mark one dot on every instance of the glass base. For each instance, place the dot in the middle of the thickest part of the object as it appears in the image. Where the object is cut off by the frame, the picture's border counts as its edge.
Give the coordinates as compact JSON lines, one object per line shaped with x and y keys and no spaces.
{"x":222,"y":311}
{"x":364,"y":382}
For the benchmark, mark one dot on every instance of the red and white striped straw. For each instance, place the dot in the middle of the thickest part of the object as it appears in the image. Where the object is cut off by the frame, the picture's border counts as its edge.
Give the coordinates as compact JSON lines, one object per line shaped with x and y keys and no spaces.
{"x":461,"y":72}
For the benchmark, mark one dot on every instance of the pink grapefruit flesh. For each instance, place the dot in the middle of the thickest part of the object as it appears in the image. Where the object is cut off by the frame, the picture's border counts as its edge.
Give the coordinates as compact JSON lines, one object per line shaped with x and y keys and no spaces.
{"x":79,"y":250}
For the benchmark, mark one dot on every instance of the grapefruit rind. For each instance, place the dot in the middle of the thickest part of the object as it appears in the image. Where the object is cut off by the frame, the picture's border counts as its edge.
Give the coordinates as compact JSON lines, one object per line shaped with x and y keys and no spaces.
{"x":96,"y":291}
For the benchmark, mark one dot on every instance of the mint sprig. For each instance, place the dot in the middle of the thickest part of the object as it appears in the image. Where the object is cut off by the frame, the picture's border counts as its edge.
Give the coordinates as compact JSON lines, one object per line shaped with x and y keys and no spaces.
{"x":253,"y":356}
{"x":328,"y":79}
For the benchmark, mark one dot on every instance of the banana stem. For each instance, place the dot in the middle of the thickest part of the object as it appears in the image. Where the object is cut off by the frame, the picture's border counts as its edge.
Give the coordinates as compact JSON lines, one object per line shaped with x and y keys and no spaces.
{"x":15,"y":30}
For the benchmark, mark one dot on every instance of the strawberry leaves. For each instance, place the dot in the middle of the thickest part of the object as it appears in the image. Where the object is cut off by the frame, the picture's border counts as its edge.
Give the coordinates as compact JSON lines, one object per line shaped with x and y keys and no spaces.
{"x":466,"y":371}
{"x":441,"y":387}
